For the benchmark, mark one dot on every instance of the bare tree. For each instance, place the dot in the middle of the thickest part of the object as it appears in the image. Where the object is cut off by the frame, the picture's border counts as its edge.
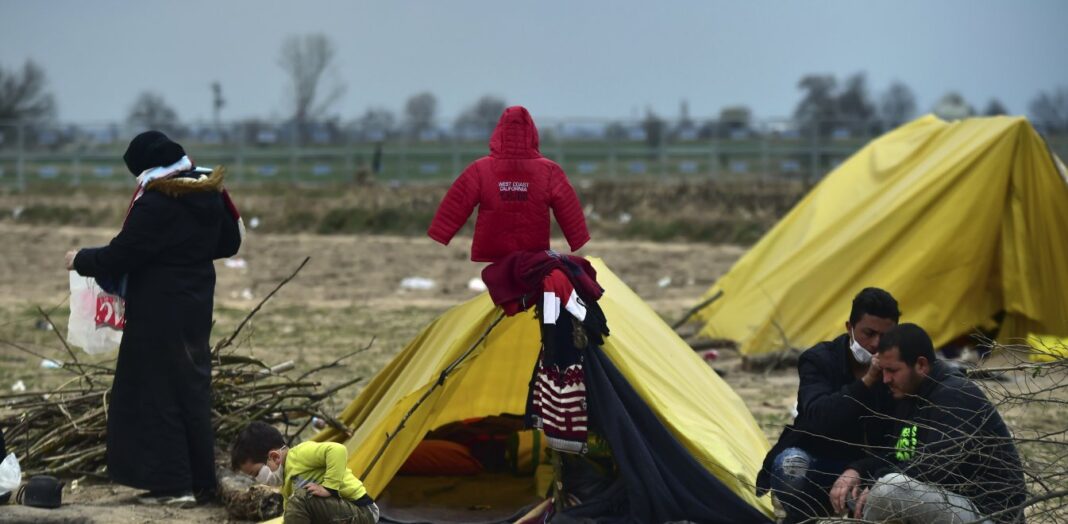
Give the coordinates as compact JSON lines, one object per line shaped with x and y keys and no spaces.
{"x":306,"y":60}
{"x":818,"y":108}
{"x":482,"y":117}
{"x":994,"y":108}
{"x":952,"y":106}
{"x":151,"y":111}
{"x":376,"y":124}
{"x":734,"y":120}
{"x":24,"y":95}
{"x":420,"y":112}
{"x":898,"y":105}
{"x":654,"y":127}
{"x":1050,"y":110}
{"x":855,"y":108}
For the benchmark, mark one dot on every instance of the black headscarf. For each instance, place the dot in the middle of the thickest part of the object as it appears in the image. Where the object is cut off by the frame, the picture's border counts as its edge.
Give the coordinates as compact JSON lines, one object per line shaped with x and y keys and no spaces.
{"x":151,"y":149}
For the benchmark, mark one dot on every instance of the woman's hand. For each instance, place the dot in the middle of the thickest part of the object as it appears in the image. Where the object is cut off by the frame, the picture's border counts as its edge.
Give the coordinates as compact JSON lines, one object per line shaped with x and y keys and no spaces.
{"x":70,"y":259}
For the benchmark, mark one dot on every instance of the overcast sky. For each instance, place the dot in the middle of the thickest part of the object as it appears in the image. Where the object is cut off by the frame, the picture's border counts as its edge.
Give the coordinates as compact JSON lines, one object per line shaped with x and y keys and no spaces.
{"x":561,"y":58}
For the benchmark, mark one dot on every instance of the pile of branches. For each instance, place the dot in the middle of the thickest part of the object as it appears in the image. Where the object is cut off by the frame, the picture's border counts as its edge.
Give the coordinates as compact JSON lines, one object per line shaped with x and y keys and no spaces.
{"x":63,"y":431}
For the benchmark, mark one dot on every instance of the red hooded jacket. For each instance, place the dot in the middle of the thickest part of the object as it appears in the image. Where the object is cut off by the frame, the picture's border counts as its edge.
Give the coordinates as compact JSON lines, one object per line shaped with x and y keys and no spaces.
{"x":514,"y":188}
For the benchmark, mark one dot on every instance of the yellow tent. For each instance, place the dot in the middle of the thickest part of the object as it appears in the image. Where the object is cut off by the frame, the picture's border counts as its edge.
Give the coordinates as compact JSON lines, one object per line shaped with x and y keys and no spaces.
{"x":960,"y":221}
{"x":690,"y":400}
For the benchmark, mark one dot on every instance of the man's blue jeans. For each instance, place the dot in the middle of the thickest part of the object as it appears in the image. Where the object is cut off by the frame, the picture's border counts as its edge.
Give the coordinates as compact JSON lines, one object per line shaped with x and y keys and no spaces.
{"x":802,"y":483}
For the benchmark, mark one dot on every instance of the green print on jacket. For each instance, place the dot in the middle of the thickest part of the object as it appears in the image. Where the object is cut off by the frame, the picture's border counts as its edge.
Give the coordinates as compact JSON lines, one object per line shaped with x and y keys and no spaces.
{"x":906,"y":444}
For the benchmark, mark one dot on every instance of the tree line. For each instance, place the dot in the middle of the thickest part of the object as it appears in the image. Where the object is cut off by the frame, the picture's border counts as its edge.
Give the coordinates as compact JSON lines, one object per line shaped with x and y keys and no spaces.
{"x":827,"y":105}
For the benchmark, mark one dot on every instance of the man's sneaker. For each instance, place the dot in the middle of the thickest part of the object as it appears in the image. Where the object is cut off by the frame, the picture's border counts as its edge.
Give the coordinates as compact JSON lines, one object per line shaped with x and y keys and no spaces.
{"x":181,"y":500}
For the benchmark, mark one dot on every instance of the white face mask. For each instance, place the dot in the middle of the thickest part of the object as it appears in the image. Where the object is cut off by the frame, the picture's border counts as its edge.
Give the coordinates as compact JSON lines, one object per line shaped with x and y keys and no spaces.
{"x":859,"y":353}
{"x":270,"y":478}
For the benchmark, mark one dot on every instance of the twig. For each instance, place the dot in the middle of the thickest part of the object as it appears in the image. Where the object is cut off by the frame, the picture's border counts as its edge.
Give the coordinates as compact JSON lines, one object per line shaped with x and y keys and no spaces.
{"x":229,"y":340}
{"x":63,"y":341}
{"x":693,"y":311}
{"x":336,"y":362}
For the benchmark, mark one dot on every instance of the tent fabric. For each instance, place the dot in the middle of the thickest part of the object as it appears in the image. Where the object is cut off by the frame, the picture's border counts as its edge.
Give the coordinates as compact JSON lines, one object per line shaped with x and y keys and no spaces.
{"x":960,"y":221}
{"x":705,"y":416}
{"x":661,"y":480}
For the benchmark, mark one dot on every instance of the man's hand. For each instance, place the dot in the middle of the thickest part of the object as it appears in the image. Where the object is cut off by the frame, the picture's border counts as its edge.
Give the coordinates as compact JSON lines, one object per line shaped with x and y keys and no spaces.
{"x":70,"y":259}
{"x":846,"y":485}
{"x":317,"y":490}
{"x":874,"y":374}
{"x":861,"y":501}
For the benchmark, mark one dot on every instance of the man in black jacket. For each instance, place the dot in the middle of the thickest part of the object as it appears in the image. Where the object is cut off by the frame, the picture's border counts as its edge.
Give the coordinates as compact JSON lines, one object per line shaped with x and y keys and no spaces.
{"x":954,"y":460}
{"x":838,"y":399}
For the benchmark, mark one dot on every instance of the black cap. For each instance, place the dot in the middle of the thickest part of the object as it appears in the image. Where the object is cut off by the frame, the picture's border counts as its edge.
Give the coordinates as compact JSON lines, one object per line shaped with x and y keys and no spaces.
{"x":151,"y":149}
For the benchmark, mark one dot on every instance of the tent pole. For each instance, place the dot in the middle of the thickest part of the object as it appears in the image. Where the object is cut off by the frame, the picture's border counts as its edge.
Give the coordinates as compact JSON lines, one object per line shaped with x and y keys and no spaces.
{"x":441,"y":381}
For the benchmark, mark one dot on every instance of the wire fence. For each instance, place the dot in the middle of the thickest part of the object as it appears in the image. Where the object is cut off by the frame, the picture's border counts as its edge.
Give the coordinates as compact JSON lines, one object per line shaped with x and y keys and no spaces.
{"x":324,"y":153}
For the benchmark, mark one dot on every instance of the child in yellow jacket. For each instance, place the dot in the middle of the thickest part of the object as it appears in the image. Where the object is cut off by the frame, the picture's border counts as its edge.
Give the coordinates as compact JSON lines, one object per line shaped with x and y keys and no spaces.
{"x":314,"y":476}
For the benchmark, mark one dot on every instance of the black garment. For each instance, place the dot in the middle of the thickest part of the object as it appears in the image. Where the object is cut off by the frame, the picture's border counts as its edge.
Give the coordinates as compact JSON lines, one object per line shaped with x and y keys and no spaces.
{"x":160,"y":436}
{"x":950,"y":435}
{"x":660,"y":481}
{"x":837,"y":415}
{"x":3,"y":454}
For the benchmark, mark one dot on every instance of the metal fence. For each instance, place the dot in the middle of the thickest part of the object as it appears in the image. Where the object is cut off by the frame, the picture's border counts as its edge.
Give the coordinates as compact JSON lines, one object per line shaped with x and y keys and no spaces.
{"x":260,"y":153}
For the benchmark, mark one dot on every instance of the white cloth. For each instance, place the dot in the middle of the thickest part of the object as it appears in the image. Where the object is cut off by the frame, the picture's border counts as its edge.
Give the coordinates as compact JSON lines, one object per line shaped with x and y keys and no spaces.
{"x":156,"y":173}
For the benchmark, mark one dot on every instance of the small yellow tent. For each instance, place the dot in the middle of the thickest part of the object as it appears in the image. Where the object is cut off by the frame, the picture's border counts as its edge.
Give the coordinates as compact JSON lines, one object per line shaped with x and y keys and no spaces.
{"x":960,"y":221}
{"x":702,"y":412}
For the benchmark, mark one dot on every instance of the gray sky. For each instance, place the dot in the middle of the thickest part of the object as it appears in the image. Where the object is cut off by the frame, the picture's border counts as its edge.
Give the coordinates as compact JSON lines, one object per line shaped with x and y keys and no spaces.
{"x":561,"y":58}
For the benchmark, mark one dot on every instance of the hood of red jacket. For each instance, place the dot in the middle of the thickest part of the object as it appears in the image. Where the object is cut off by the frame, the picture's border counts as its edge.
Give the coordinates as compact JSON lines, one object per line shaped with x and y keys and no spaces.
{"x":515,"y":135}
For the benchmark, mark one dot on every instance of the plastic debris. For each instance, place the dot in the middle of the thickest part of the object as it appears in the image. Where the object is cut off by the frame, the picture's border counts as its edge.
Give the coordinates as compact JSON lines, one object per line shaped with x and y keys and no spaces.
{"x":10,"y":474}
{"x":318,"y":423}
{"x":476,"y":284}
{"x":709,"y":354}
{"x":18,"y":387}
{"x":236,"y":263}
{"x":246,"y":294}
{"x":417,"y":283}
{"x":254,"y":222}
{"x":663,"y":282}
{"x":625,"y":218}
{"x":50,"y":364}
{"x":17,"y":212}
{"x":43,"y":325}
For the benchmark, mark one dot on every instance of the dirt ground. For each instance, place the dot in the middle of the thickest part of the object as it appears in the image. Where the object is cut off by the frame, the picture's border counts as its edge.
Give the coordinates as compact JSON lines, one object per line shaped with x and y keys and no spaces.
{"x":349,"y":293}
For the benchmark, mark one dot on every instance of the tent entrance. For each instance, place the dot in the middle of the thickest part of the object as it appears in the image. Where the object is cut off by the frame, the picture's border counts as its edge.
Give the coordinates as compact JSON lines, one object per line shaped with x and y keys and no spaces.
{"x":485,"y":497}
{"x":474,"y":470}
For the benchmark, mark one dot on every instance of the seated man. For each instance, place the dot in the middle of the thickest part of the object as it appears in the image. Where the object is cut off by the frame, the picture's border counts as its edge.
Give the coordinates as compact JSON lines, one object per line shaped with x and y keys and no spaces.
{"x":314,"y":477}
{"x":840,"y":393}
{"x":954,"y":460}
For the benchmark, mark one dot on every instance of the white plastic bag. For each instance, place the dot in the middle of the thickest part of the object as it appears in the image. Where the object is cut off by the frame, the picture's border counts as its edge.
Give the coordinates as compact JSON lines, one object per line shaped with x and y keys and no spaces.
{"x":96,"y":318}
{"x":10,"y":474}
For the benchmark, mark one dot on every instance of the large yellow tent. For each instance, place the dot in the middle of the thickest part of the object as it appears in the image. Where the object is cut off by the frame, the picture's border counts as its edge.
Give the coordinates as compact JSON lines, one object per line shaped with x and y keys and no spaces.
{"x":960,"y":221}
{"x":692,"y":402}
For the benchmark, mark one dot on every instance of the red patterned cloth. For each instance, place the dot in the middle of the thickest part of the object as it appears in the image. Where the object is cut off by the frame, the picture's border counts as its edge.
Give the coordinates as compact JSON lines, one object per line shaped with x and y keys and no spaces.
{"x":558,"y":402}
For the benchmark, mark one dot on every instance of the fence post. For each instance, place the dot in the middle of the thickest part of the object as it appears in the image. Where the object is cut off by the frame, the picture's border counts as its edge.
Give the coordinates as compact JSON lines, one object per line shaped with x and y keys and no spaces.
{"x":814,"y":156}
{"x":239,"y":158}
{"x":293,"y":143}
{"x":77,"y":166}
{"x":20,"y":163}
